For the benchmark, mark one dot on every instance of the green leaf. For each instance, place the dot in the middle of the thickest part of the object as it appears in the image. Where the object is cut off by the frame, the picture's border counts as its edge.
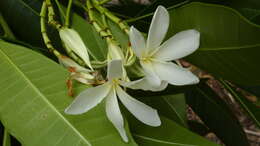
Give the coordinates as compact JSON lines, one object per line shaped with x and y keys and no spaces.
{"x":33,"y":99}
{"x":4,"y":29}
{"x":172,"y":106}
{"x":169,"y":133}
{"x":230,"y":44}
{"x":119,"y":35}
{"x":28,"y":11}
{"x":252,"y":110}
{"x":6,"y":139}
{"x":19,"y":14}
{"x":96,"y":45}
{"x":216,"y":115}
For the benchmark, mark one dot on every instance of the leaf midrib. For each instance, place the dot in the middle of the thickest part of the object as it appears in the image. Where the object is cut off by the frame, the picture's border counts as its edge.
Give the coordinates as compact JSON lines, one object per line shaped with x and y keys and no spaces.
{"x":174,"y":110}
{"x":228,"y":48}
{"x":161,"y":141}
{"x":241,"y":102}
{"x":28,"y":7}
{"x":42,"y":95}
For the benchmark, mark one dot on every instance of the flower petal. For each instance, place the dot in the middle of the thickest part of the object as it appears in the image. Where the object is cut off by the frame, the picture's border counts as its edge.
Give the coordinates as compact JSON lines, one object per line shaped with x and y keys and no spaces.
{"x":82,"y":78}
{"x":151,"y":77}
{"x":114,"y":115}
{"x":73,"y":41}
{"x":137,"y":41}
{"x":174,"y":74}
{"x":114,"y":69}
{"x":158,"y":28}
{"x":88,"y":99}
{"x":141,"y":111}
{"x":114,"y":51}
{"x":67,"y":62}
{"x":179,"y":46}
{"x":144,"y":85}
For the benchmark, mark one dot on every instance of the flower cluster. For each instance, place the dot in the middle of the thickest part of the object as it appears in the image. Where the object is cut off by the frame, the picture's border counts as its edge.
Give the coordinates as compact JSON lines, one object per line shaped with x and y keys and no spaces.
{"x":155,"y":58}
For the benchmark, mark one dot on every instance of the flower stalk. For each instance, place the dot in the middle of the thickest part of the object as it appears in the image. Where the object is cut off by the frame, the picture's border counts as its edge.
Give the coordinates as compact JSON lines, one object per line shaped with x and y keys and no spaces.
{"x":45,"y":37}
{"x":111,"y":16}
{"x":67,"y":19}
{"x":51,"y":14}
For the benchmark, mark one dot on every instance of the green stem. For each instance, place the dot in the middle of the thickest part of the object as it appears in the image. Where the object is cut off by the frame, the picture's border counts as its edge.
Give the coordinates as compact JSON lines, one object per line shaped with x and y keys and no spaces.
{"x":45,"y":37}
{"x":130,"y":58}
{"x":151,"y":14}
{"x":99,"y":28}
{"x":67,"y":19}
{"x":6,"y":138}
{"x":60,"y":10}
{"x":51,"y":15}
{"x":103,"y":2}
{"x":111,"y":16}
{"x":7,"y":31}
{"x":58,"y":26}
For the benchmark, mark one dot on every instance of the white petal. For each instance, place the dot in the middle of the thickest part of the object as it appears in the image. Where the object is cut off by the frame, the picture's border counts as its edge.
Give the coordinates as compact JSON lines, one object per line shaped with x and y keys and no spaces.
{"x":88,"y":99}
{"x":114,"y":69}
{"x":137,"y":41}
{"x":174,"y":74}
{"x":150,"y":75}
{"x":158,"y":28}
{"x":179,"y":46}
{"x":81,"y":77}
{"x":67,"y":62}
{"x":114,"y":114}
{"x":141,"y":111}
{"x":114,"y":51}
{"x":144,"y":85}
{"x":73,"y":41}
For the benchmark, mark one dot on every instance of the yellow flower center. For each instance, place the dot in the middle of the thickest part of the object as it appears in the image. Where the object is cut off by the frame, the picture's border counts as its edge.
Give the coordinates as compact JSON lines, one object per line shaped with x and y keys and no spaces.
{"x":146,"y":59}
{"x":115,"y":82}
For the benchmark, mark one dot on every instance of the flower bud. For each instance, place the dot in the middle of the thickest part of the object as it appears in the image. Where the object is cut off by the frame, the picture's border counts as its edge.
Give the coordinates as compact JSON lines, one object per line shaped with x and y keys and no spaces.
{"x":115,"y":52}
{"x":73,"y":41}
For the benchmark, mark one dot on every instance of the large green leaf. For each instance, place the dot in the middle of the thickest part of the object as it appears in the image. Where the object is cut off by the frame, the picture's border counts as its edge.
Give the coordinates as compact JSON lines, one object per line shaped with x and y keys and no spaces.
{"x":20,"y":14}
{"x":230,"y":44}
{"x":172,"y":106}
{"x":249,"y":8}
{"x":168,"y":134}
{"x":252,"y":110}
{"x":33,"y":97}
{"x":216,"y":115}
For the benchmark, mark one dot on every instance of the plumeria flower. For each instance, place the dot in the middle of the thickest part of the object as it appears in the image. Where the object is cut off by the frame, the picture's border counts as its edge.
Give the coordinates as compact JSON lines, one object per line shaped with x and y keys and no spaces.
{"x":73,"y":41}
{"x":155,"y":57}
{"x":111,"y":91}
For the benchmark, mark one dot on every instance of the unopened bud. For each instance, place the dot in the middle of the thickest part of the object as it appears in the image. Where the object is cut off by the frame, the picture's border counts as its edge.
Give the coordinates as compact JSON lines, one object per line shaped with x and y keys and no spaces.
{"x":73,"y":41}
{"x":115,"y":52}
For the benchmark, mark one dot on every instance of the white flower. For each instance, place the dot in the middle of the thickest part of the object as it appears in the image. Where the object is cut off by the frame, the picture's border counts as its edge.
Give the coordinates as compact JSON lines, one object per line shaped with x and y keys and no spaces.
{"x":111,"y":90}
{"x":155,"y":58}
{"x":73,"y":41}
